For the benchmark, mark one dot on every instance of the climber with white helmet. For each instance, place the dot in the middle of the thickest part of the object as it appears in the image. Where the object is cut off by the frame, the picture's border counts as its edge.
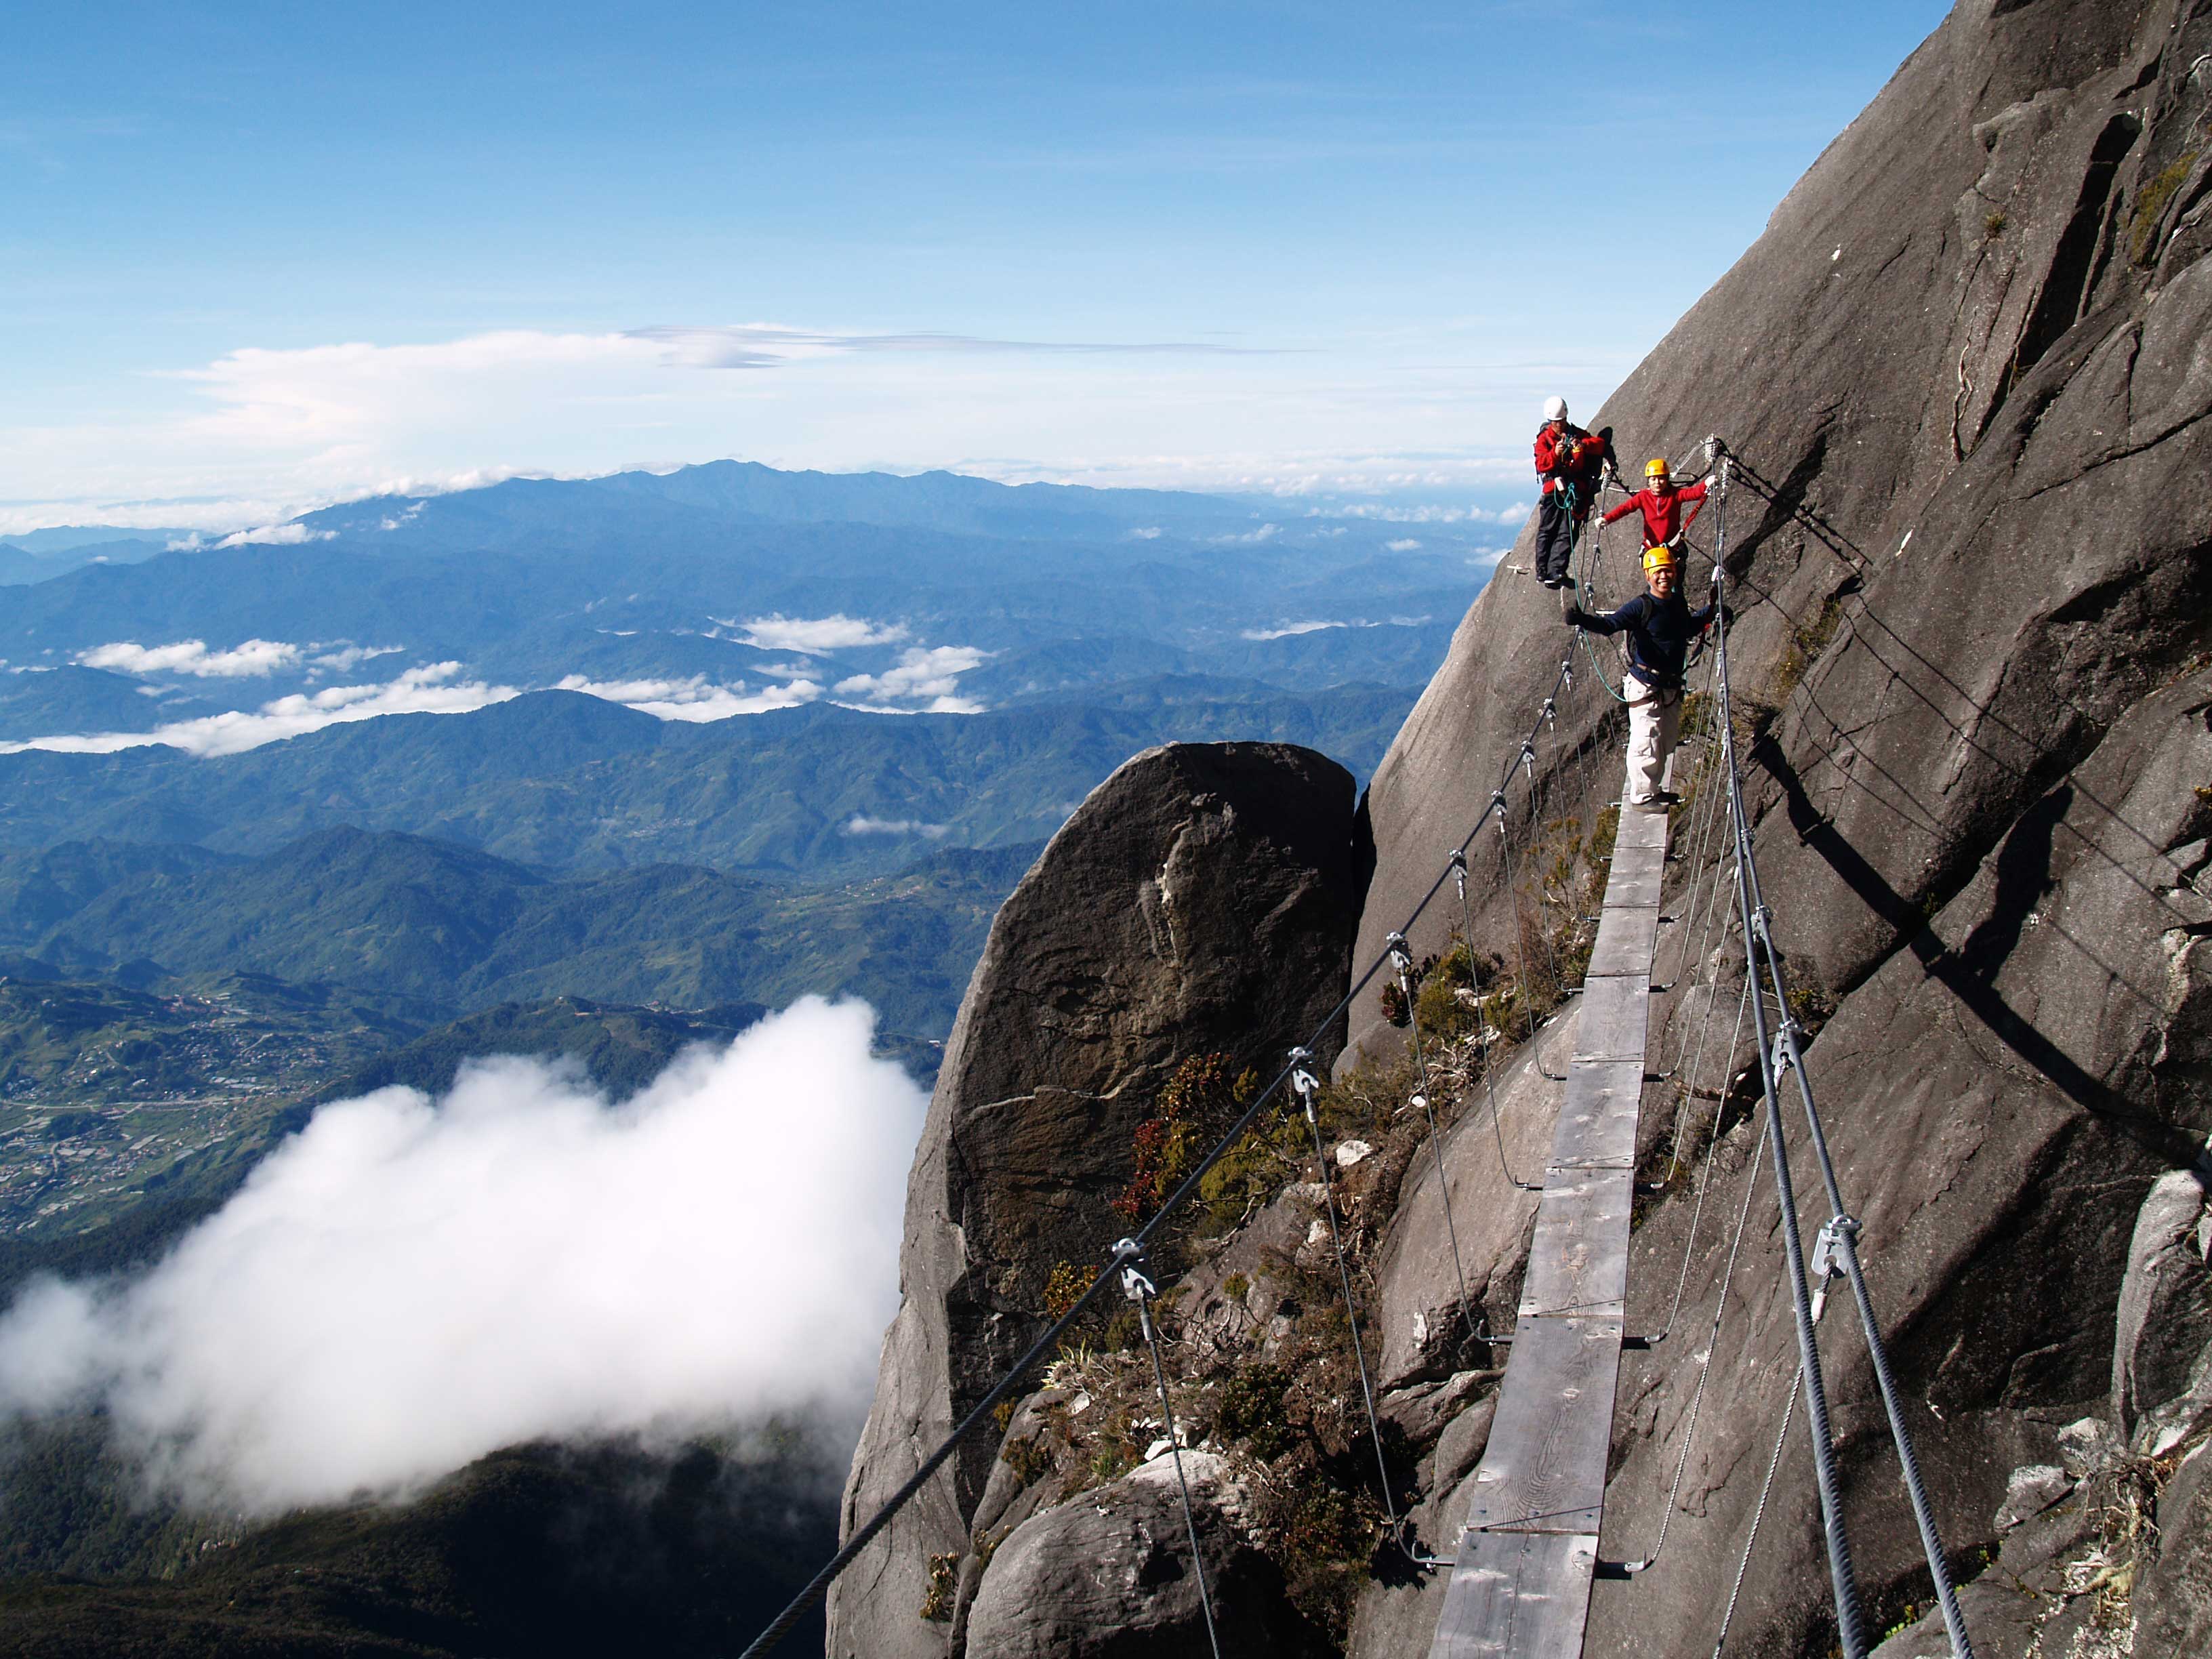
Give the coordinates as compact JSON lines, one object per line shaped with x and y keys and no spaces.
{"x":1570,"y":463}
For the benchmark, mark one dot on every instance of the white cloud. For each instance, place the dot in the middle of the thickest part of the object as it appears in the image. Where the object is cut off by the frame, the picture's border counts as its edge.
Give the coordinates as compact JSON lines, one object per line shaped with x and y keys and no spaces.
{"x":407,"y":1283}
{"x":343,"y":658}
{"x":1288,"y":629}
{"x":696,"y":699}
{"x":422,"y":690}
{"x":1403,"y":544}
{"x":837,"y":633}
{"x":252,"y":659}
{"x":1149,"y":534}
{"x":921,"y":672}
{"x":860,"y":824}
{"x":278,"y":535}
{"x":1266,"y":533}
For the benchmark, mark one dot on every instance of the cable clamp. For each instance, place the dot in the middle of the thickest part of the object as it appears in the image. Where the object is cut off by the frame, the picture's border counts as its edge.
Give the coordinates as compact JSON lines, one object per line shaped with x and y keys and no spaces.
{"x":1129,"y":1256}
{"x":1828,"y":1252}
{"x":1780,"y":1061}
{"x":1551,"y":711}
{"x":1401,"y":956}
{"x":1528,"y":757}
{"x":1457,"y":860}
{"x":1303,"y":1082}
{"x":1762,"y":923}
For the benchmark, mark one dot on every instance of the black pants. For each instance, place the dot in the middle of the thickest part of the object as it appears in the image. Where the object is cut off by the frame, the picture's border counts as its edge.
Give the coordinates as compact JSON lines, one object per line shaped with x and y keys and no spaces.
{"x":1555,"y":537}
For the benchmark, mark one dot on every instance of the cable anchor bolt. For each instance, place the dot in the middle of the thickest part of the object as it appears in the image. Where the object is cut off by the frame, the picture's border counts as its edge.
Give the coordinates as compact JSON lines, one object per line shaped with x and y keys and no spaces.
{"x":1136,"y":1284}
{"x":1829,"y":1251}
{"x":1402,"y":957}
{"x":1304,"y":1084}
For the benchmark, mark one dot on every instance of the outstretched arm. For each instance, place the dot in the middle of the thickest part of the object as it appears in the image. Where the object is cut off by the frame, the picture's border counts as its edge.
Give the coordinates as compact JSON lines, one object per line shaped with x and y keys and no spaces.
{"x":1600,"y":622}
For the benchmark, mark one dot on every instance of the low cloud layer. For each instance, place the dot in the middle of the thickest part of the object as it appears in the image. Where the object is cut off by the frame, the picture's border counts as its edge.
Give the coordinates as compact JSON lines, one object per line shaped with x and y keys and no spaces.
{"x":696,"y":699}
{"x":1290,"y":630}
{"x":255,"y":658}
{"x":930,"y":674}
{"x":837,"y":633}
{"x":860,"y":824}
{"x":409,"y":1284}
{"x":431,"y":689}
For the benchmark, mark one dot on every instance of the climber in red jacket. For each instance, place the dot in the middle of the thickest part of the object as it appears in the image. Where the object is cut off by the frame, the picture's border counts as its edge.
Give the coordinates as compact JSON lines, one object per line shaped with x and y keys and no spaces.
{"x":1570,"y":462}
{"x":1662,"y":506}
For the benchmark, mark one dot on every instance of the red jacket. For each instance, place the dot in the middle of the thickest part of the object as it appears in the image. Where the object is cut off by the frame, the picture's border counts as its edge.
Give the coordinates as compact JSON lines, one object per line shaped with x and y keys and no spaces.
{"x":1662,"y":514}
{"x":1573,"y":457}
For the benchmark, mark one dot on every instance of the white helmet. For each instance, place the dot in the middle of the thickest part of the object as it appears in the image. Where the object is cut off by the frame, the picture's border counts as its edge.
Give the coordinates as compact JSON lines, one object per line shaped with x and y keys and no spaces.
{"x":1555,"y":408}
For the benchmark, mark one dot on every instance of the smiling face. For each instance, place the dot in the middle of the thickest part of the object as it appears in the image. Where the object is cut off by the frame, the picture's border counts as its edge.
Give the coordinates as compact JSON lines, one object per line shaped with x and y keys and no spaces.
{"x":1660,"y":579}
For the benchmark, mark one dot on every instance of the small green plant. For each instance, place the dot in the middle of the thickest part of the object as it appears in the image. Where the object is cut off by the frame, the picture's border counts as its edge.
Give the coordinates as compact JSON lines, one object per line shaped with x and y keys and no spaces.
{"x":1236,"y":1287}
{"x":1252,"y":1412}
{"x":1993,"y":226}
{"x":1063,"y":1288}
{"x":1027,"y":1458}
{"x":1811,"y":1006}
{"x":2150,"y":208}
{"x":1806,"y":643}
{"x":1196,"y":1105}
{"x":944,"y":1581}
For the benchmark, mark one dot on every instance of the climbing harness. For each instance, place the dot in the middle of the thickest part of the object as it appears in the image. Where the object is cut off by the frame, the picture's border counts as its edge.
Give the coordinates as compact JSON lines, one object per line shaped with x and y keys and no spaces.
{"x":1136,"y":1286}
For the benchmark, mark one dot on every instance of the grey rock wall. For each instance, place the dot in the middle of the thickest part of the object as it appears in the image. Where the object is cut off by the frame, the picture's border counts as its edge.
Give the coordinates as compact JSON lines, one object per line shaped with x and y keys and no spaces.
{"x":1200,"y":901}
{"x":1967,"y":367}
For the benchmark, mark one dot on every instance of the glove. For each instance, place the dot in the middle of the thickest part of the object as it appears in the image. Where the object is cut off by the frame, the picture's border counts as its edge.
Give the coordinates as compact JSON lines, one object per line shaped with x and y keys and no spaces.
{"x":1575,"y":616}
{"x":1728,"y":615}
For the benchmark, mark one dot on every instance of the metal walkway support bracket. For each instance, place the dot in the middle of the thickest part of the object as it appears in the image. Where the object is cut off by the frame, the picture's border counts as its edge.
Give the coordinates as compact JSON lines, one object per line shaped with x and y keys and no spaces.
{"x":1522,"y":1583}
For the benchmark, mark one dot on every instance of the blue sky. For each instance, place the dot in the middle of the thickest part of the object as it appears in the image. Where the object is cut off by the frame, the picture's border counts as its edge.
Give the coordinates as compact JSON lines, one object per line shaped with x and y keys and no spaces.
{"x":254,"y":258}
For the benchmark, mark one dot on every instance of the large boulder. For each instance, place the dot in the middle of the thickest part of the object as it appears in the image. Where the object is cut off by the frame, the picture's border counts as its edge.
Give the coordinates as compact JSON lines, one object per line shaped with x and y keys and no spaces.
{"x":1201,"y":901}
{"x":2165,"y":1298}
{"x":1109,"y":1576}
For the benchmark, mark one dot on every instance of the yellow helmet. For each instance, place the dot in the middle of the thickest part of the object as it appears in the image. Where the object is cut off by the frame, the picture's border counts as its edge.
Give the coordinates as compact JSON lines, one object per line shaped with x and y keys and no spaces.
{"x":1657,"y":468}
{"x":1660,"y":557}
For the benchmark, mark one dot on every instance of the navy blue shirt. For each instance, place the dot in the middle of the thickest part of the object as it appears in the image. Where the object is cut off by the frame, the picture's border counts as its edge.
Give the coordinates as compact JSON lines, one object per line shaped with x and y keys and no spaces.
{"x":1659,"y":634}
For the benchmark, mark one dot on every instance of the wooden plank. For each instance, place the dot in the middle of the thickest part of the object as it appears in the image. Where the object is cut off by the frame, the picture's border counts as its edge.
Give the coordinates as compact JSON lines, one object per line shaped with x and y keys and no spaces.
{"x":1613,"y":1022}
{"x":1624,"y":941}
{"x":1521,"y":1583}
{"x":1578,"y":1261}
{"x":1545,"y":1467}
{"x":1519,"y":1593}
{"x":1597,"y":1121}
{"x":1635,"y":879}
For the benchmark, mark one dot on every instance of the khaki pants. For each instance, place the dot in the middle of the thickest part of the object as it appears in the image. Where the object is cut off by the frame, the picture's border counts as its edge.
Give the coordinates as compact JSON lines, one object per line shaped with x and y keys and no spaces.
{"x":1654,"y":724}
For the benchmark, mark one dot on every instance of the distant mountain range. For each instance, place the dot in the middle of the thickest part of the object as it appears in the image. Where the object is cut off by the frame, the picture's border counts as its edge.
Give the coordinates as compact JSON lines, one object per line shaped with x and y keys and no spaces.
{"x":452,"y":930}
{"x":566,"y":780}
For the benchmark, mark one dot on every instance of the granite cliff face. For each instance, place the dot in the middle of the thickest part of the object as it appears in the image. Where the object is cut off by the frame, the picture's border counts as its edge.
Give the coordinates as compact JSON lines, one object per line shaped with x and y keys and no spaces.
{"x":1201,"y":901}
{"x":1965,"y":371}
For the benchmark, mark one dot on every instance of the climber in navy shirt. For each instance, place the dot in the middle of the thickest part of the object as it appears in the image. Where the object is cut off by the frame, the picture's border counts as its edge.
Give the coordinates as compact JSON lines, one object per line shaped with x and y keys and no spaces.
{"x":1661,"y":626}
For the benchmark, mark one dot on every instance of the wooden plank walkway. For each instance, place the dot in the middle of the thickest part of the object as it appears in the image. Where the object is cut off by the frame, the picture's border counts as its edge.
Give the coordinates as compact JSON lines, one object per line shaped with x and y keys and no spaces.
{"x":1521,"y":1583}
